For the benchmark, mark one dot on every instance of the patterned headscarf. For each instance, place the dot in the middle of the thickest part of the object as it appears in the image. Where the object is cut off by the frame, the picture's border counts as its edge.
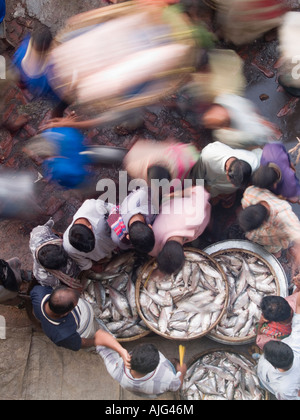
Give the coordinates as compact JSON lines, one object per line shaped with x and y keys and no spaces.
{"x":64,"y":278}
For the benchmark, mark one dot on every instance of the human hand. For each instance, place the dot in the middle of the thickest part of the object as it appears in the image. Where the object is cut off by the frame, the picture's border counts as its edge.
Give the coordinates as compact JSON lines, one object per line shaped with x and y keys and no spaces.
{"x":296,"y":281}
{"x":126,"y":358}
{"x":59,"y":122}
{"x":181,"y":368}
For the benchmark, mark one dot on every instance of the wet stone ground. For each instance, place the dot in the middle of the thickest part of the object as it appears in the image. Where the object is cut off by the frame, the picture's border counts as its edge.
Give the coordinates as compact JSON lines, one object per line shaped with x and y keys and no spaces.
{"x":174,"y":117}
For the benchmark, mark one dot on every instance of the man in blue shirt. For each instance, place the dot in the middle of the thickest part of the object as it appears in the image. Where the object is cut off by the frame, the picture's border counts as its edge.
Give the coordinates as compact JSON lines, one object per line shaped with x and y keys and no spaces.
{"x":66,"y":319}
{"x":61,"y":150}
{"x":66,"y":157}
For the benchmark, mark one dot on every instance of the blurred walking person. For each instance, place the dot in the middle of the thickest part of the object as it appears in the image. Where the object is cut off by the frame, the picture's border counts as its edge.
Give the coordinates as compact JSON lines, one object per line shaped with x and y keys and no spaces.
{"x":243,"y":21}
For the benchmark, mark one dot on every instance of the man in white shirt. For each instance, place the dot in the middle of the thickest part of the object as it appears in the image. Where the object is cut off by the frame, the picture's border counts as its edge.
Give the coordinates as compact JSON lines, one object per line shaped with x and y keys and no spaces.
{"x":88,"y":239}
{"x":145,"y":372}
{"x":279,"y":367}
{"x":236,"y":122}
{"x":216,"y":167}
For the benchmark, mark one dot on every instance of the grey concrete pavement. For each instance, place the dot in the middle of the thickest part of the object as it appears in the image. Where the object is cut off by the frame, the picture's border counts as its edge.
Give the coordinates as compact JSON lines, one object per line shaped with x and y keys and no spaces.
{"x":33,"y":368}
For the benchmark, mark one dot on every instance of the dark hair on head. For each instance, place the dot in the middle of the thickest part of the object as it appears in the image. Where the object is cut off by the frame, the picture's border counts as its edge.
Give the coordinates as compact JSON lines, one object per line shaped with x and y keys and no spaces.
{"x":275,"y":308}
{"x":63,"y":300}
{"x":53,"y":257}
{"x":7,"y":277}
{"x":82,"y":238}
{"x":264,"y":177}
{"x":141,"y":237}
{"x":144,"y":358}
{"x":42,"y":39}
{"x":158,"y":173}
{"x":252,"y":217}
{"x":239,"y":173}
{"x":171,"y":257}
{"x":279,"y":354}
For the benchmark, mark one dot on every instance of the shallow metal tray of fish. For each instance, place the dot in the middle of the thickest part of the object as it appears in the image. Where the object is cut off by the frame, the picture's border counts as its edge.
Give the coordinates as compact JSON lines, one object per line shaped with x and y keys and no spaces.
{"x":164,"y":321}
{"x":198,"y":383}
{"x":262,"y":252}
{"x":242,"y":248}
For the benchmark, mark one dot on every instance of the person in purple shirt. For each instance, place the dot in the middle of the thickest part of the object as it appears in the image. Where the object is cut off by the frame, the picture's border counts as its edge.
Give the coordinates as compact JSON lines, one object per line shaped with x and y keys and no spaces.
{"x":277,"y":174}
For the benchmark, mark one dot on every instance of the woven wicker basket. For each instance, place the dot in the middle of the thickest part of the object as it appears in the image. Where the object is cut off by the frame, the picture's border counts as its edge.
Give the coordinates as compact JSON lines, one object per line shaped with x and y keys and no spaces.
{"x":133,"y":338}
{"x":144,"y":277}
{"x":228,"y":350}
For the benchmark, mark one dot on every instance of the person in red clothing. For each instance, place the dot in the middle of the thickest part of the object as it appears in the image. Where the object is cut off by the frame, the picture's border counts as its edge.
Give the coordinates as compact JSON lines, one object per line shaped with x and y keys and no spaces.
{"x":276,"y":319}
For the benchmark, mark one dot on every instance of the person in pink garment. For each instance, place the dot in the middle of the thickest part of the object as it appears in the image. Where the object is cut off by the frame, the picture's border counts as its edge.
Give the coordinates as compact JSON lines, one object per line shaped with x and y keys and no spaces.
{"x":281,"y":311}
{"x":183,"y":217}
{"x":175,"y":157}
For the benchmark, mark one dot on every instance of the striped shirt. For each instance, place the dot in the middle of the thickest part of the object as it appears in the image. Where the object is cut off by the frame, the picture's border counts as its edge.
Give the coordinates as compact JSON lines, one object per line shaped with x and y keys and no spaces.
{"x":162,"y":379}
{"x":67,"y":331}
{"x":282,"y":227}
{"x":284,"y":385}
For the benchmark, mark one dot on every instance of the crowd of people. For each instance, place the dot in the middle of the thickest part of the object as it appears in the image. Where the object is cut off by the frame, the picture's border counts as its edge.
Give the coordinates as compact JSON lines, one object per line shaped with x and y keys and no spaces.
{"x":179,"y":186}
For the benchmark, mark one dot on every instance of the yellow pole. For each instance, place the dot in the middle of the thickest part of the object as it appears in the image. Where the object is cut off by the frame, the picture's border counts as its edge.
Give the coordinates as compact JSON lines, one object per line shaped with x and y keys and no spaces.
{"x":181,"y":354}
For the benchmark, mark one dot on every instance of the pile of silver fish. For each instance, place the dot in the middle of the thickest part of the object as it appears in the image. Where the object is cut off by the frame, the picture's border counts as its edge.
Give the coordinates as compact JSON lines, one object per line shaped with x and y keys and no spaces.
{"x":249,"y":280}
{"x":112,"y":296}
{"x":185,"y":305}
{"x":222,"y":375}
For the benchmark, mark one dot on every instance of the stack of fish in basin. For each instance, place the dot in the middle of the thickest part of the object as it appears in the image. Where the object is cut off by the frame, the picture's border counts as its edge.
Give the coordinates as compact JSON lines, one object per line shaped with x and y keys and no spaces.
{"x":186,"y":305}
{"x":250,"y":278}
{"x":222,"y":375}
{"x":112,"y":296}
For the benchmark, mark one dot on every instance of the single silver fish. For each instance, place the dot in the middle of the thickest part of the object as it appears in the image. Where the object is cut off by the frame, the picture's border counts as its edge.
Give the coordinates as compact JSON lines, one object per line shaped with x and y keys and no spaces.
{"x":126,"y":259}
{"x":160,"y":300}
{"x":130,"y":294}
{"x":220,"y":372}
{"x":241,"y":321}
{"x":163,"y":321}
{"x":209,"y":270}
{"x":120,"y":302}
{"x":120,"y":282}
{"x":116,"y":325}
{"x":132,"y":331}
{"x":100,"y":294}
{"x":259,"y":268}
